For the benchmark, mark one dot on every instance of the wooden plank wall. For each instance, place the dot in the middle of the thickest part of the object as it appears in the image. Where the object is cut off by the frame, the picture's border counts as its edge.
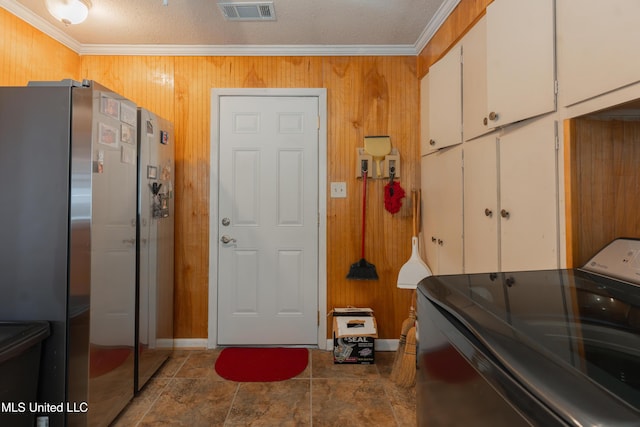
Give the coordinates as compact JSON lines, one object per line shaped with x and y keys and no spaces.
{"x":604,"y":182}
{"x":366,"y":96}
{"x":27,"y":54}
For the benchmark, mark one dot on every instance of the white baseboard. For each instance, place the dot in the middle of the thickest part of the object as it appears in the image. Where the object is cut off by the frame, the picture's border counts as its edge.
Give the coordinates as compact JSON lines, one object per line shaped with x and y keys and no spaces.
{"x":201,"y":343}
{"x":190,"y":343}
{"x":380,"y":345}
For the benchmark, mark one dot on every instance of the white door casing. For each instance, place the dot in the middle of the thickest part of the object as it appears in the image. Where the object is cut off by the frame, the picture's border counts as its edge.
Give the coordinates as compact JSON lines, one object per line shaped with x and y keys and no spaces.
{"x":268,"y":184}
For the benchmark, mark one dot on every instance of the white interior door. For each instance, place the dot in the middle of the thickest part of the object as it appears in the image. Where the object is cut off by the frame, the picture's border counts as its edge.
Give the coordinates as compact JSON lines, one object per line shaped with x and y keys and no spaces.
{"x":268,"y":217}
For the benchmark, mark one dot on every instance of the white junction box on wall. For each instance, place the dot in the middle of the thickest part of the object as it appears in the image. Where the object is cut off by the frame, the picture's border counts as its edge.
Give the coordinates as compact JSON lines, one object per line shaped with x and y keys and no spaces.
{"x":338,"y":190}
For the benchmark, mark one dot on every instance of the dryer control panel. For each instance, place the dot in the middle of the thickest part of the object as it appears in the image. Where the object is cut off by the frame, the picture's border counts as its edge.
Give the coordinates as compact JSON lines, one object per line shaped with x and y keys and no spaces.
{"x":619,"y":260}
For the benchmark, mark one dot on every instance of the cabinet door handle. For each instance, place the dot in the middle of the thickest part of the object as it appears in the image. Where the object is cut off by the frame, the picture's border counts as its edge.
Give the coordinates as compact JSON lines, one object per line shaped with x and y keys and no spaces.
{"x":485,"y":121}
{"x":493,"y":116}
{"x":488,"y":212}
{"x":440,"y":242}
{"x":433,"y":239}
{"x":504,"y":213}
{"x":432,"y":142}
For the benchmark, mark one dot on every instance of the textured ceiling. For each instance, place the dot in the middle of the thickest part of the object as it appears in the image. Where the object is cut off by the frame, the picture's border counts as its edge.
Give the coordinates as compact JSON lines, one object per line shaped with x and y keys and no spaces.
{"x":189,"y":23}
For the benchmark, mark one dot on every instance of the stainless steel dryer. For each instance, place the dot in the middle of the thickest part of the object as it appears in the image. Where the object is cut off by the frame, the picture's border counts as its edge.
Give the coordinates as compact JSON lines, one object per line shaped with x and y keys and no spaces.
{"x":542,"y":348}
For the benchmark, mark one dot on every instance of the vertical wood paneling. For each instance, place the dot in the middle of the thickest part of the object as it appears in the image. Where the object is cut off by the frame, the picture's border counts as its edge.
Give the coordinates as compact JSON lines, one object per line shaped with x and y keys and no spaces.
{"x":457,"y":24}
{"x":27,"y":54}
{"x":604,"y":181}
{"x":146,"y":80}
{"x":370,"y":96}
{"x":366,"y":96}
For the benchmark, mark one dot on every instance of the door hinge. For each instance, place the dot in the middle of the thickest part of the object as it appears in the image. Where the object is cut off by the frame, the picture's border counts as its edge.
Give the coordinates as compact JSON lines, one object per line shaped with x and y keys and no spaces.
{"x":318,"y":320}
{"x":318,"y":123}
{"x":555,"y":87}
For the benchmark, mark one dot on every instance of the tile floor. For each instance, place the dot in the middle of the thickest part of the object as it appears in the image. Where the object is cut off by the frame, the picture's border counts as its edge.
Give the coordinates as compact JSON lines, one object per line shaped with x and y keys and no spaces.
{"x":186,"y":391}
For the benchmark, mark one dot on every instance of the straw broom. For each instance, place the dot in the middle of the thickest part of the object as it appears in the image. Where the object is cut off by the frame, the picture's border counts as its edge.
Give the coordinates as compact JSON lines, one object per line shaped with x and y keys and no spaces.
{"x":406,"y":325}
{"x":407,"y":373}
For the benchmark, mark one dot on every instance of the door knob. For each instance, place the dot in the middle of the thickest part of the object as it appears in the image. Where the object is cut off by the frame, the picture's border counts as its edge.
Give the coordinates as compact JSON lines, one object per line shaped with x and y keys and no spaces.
{"x":226,"y":221}
{"x":432,"y":142}
{"x":488,"y":212}
{"x":226,"y":239}
{"x":504,"y":213}
{"x":493,"y":116}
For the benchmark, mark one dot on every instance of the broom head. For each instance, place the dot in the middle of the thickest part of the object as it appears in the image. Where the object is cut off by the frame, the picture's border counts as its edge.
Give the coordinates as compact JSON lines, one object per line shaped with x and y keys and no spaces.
{"x":362,"y":270}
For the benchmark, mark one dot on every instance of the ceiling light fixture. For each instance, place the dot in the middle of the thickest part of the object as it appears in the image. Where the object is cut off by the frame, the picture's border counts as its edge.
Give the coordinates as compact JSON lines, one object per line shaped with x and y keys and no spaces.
{"x":69,"y":11}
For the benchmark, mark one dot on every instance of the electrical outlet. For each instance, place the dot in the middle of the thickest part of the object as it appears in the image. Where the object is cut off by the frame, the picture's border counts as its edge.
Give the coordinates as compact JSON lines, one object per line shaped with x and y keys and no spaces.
{"x":338,"y":190}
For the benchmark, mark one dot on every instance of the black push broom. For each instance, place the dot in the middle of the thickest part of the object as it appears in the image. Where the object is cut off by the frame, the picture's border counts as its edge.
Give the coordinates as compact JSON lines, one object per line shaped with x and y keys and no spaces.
{"x":363,"y":270}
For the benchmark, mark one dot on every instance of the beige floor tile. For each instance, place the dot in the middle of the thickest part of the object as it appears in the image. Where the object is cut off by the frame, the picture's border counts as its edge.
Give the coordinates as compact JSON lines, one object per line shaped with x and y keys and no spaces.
{"x":187,"y":391}
{"x":350,"y":402}
{"x":192,"y":403}
{"x":280,"y":403}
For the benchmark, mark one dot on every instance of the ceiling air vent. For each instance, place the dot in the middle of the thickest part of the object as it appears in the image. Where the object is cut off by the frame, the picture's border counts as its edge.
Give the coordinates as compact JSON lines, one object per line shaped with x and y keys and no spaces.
{"x":248,"y":11}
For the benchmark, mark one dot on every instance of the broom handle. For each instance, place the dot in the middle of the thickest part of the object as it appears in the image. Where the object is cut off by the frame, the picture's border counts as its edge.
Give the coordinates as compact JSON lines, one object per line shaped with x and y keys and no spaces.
{"x":418,"y":211}
{"x":364,"y":204}
{"x":414,"y":211}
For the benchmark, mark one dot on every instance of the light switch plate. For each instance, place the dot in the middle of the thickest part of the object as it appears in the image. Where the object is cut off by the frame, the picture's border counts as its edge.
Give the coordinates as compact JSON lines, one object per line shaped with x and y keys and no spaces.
{"x":338,"y":190}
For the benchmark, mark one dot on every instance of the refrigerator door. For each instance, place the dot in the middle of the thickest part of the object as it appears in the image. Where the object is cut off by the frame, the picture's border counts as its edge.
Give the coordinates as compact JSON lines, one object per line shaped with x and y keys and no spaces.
{"x":155,"y":244}
{"x":113,"y":254}
{"x":44,"y":229}
{"x":67,"y":239}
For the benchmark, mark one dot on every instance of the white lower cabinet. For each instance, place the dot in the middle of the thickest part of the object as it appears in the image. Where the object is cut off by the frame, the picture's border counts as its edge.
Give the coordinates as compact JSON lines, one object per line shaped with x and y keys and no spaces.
{"x":442,"y":210}
{"x":511,"y":199}
{"x":481,"y":213}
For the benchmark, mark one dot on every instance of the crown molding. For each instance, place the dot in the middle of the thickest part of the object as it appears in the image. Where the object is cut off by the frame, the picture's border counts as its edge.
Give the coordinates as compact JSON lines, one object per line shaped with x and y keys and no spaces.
{"x":438,"y":19}
{"x":248,"y":50}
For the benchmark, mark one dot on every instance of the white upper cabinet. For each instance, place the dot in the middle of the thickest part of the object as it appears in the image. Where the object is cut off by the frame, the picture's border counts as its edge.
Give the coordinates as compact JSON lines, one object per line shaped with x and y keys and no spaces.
{"x":445,"y":102}
{"x":520,"y":60}
{"x":474,"y":81}
{"x":597,"y":47}
{"x":424,"y":115}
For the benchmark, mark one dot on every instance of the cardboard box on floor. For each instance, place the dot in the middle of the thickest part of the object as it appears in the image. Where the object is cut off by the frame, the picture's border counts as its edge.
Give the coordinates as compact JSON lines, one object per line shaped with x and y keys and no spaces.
{"x":354,"y":335}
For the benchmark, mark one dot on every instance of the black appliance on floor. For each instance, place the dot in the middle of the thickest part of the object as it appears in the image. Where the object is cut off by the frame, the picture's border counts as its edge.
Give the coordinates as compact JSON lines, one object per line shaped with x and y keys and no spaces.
{"x":543,"y":348}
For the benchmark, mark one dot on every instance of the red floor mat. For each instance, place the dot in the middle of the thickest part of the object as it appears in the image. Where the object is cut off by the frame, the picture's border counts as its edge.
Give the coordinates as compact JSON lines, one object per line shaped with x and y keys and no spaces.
{"x":261,"y":364}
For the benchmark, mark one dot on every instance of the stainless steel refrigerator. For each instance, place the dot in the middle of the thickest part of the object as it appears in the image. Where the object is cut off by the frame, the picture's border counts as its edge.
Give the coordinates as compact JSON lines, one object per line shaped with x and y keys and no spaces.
{"x":156,"y":179}
{"x":68,"y":153}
